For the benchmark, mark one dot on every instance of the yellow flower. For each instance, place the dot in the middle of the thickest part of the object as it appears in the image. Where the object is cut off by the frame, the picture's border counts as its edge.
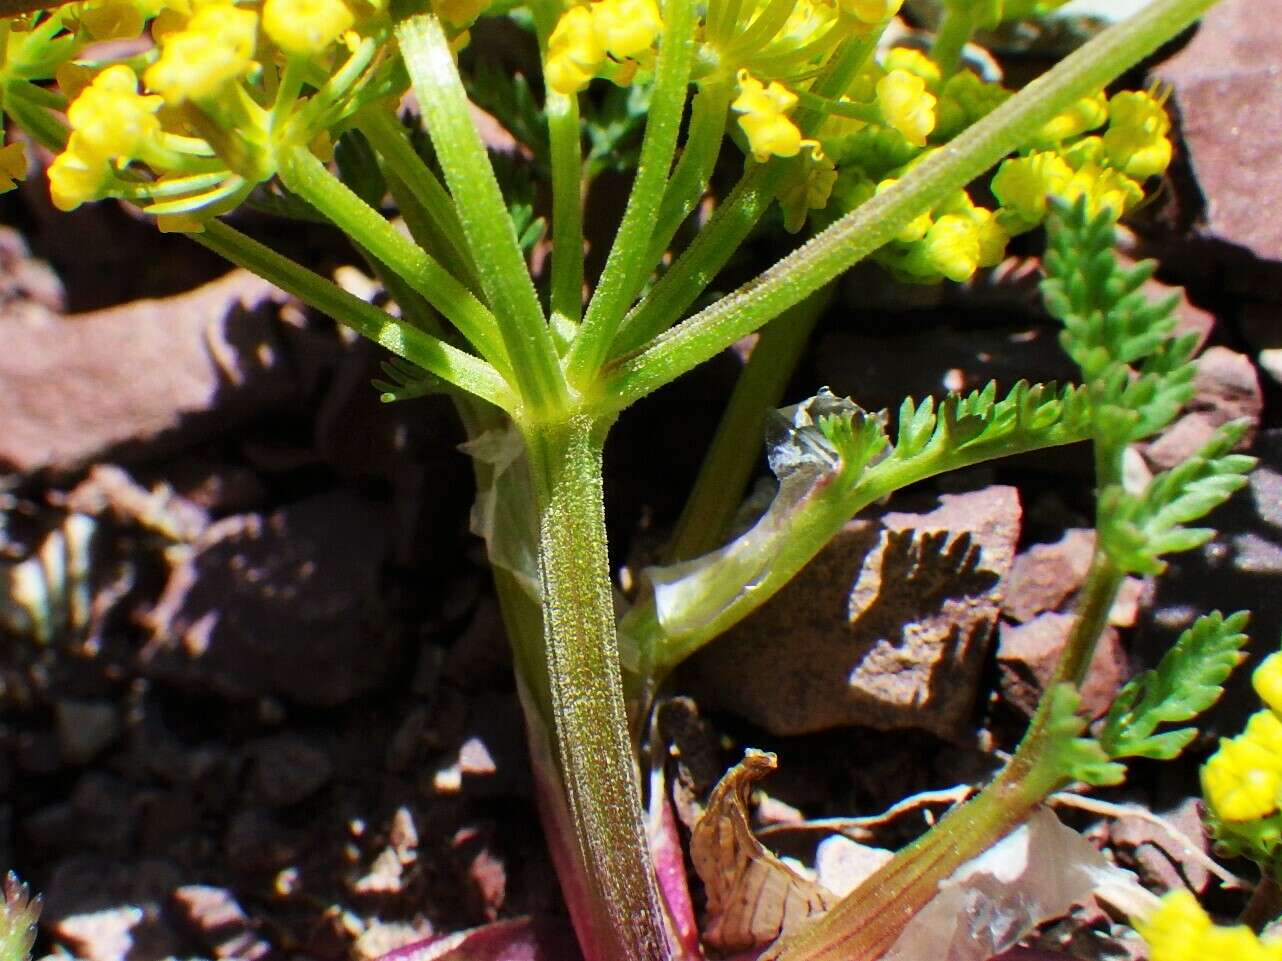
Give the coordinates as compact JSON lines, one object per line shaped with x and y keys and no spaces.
{"x":915,"y":62}
{"x":13,"y":165}
{"x":1265,"y":729}
{"x":1268,"y":681}
{"x":1180,"y":930}
{"x":305,"y":27}
{"x":76,"y":177}
{"x":770,"y":132}
{"x":111,"y":118}
{"x":1136,"y":140}
{"x":626,"y":27}
{"x":906,"y":106}
{"x":1022,"y":185}
{"x":992,"y":237}
{"x":575,"y":52}
{"x":214,"y":48}
{"x":1174,"y":931}
{"x":1241,"y":780}
{"x":1082,"y":115}
{"x":1104,"y":189}
{"x":951,"y":247}
{"x":871,"y":11}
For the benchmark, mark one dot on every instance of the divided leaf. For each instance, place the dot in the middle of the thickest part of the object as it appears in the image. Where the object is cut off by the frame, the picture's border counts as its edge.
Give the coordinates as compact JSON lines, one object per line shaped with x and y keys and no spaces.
{"x":1137,"y":529}
{"x":978,"y":426}
{"x":1139,"y":374}
{"x":1187,"y":681}
{"x":1073,"y":756}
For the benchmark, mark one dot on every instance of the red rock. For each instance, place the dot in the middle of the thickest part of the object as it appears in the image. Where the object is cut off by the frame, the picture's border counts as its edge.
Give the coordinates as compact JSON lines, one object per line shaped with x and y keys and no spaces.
{"x":1046,"y":575}
{"x":1228,"y":95}
{"x":159,"y":373}
{"x":1027,"y":655}
{"x":219,"y":923}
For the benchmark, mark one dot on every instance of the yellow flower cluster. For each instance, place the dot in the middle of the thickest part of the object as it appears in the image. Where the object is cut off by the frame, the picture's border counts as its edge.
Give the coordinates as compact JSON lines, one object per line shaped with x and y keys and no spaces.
{"x":111,"y":122}
{"x":1107,"y":170}
{"x":202,"y":49}
{"x":189,"y":126}
{"x":582,"y":38}
{"x":1243,"y":779}
{"x":953,"y":241}
{"x":1180,"y":930}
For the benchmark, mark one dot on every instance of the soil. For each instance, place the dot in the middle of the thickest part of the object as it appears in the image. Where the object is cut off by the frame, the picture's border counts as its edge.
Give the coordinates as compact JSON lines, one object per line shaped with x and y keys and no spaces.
{"x":258,"y":702}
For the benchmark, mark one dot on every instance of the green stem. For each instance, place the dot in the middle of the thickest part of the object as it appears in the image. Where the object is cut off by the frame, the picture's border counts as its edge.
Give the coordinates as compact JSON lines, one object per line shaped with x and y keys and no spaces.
{"x":868,"y":921}
{"x":593,"y":745}
{"x":566,"y":151}
{"x":694,"y":168}
{"x":627,"y":264}
{"x":955,"y":30}
{"x":306,"y":176}
{"x":388,"y":138}
{"x":699,"y":263}
{"x":727,"y":467}
{"x":449,"y":363}
{"x":734,"y":219}
{"x":868,"y":227}
{"x":487,"y":225}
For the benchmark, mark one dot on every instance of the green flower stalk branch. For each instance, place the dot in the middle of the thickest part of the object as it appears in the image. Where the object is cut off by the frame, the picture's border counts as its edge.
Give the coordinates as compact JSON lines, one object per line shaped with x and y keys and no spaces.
{"x":869,"y":149}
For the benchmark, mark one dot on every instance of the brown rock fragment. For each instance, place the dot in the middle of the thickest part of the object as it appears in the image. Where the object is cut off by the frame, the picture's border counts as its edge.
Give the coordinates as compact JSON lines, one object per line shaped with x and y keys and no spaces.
{"x":219,"y":923}
{"x":887,"y":627}
{"x":283,"y":604}
{"x":1027,"y":655}
{"x":154,"y":372}
{"x":1228,"y":95}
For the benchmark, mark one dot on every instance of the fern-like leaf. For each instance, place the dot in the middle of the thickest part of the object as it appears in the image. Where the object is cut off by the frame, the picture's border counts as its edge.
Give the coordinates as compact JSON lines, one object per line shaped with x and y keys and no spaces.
{"x":1138,"y":529}
{"x":1187,"y":681}
{"x":1071,"y":755}
{"x":1139,"y":374}
{"x":978,"y":425}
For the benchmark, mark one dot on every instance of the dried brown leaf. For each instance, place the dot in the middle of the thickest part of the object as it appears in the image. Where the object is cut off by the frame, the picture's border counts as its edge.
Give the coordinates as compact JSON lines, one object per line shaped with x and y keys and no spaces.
{"x":753,"y":897}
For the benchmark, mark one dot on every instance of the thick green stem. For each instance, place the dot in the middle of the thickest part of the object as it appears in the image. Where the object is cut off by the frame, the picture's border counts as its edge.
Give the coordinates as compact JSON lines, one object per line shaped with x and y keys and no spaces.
{"x":727,"y":467}
{"x":877,"y":221}
{"x":592,"y":741}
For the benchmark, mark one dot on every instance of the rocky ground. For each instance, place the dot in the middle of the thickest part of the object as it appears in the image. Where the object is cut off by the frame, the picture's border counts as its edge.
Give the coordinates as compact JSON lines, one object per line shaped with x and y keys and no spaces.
{"x":254,"y":693}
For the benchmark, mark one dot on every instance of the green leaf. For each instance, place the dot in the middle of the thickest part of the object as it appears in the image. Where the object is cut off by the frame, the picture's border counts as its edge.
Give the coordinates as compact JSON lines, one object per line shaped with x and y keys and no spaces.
{"x":1137,"y":529}
{"x":978,"y":425}
{"x":1187,"y":681}
{"x":1139,"y":373}
{"x":1076,"y":758}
